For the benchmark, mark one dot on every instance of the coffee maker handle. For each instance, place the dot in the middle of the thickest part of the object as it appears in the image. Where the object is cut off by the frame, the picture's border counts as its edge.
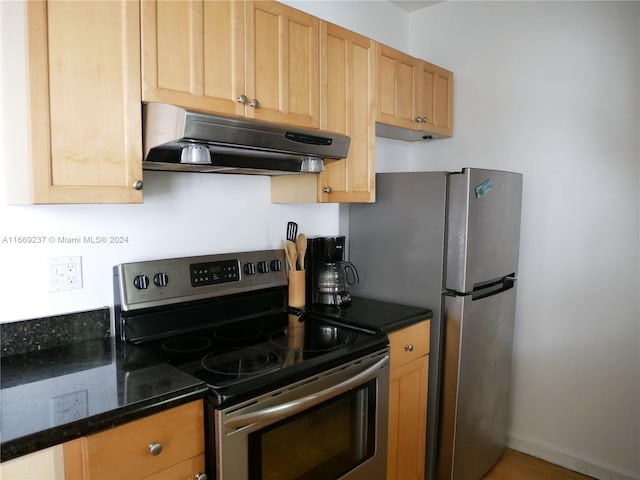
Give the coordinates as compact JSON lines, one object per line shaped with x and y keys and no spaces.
{"x":351,"y":273}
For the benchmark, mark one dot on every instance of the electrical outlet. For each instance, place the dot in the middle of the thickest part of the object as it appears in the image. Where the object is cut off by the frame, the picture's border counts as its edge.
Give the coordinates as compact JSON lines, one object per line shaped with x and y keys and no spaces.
{"x":65,"y":273}
{"x":69,"y":407}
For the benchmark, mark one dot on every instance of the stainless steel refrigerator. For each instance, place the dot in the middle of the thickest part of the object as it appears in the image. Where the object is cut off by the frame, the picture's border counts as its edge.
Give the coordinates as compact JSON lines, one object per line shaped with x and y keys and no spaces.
{"x":449,"y":241}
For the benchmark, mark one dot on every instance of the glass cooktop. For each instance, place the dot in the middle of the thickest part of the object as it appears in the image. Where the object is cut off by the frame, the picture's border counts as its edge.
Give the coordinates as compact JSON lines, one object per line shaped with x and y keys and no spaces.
{"x":264,"y":352}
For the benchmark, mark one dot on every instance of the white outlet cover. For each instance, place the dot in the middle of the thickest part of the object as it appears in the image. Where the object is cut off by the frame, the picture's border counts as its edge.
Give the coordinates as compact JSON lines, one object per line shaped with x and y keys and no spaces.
{"x":65,"y":273}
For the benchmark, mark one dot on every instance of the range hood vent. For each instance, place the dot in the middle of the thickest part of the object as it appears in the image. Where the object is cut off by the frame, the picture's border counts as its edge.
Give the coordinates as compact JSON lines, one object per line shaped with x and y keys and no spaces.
{"x":181,"y":140}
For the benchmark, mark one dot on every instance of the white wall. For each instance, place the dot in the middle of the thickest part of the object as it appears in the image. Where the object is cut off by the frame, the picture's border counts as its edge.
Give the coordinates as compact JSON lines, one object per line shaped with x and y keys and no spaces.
{"x":551,"y":89}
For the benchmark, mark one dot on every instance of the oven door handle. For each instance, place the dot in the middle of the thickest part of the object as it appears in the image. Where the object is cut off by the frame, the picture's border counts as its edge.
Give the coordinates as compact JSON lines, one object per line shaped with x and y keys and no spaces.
{"x":289,"y":408}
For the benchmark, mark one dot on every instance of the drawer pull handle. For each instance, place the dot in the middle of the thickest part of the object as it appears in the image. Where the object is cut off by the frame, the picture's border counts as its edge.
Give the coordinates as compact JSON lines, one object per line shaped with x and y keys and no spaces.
{"x":200,"y":476}
{"x":155,"y":448}
{"x":408,"y":348}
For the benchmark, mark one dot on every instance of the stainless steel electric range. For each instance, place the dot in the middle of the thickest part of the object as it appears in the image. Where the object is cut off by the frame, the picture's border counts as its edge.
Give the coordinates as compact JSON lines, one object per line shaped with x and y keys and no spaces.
{"x":291,"y":395}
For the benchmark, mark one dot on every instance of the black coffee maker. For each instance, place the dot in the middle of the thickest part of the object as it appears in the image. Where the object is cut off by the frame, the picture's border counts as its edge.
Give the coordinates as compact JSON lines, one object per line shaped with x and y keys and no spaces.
{"x":329,"y":275}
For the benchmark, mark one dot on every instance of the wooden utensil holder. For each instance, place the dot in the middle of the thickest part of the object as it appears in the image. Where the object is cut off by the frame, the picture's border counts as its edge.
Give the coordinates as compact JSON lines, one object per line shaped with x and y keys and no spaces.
{"x":297,"y":290}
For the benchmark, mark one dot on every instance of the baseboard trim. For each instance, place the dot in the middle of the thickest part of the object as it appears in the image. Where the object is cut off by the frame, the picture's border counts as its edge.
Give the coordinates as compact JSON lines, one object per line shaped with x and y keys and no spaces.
{"x":569,"y":459}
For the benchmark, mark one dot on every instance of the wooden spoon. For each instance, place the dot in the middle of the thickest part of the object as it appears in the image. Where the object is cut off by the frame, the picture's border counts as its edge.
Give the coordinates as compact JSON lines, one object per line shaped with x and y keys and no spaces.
{"x":301,"y":245}
{"x":293,"y":253}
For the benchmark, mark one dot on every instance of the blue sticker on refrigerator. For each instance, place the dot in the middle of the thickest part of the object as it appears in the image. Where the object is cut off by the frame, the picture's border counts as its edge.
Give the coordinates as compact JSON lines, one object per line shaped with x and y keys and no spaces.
{"x":483,"y":188}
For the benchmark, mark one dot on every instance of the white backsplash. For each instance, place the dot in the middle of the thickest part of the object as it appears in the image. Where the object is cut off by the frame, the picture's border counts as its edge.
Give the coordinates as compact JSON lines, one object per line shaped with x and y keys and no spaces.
{"x":183,"y":214}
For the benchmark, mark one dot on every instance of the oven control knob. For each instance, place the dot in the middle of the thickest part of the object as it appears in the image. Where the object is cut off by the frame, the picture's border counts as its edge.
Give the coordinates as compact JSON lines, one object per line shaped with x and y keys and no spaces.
{"x":276,"y":265}
{"x":263,"y":267}
{"x":250,"y":268}
{"x":161,"y":279}
{"x":141,"y":282}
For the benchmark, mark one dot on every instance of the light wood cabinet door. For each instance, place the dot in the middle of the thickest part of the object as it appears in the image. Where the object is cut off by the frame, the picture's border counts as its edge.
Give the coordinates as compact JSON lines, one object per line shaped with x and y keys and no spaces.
{"x":85,"y":132}
{"x":398,"y":75}
{"x":348,"y":106}
{"x":408,"y":420}
{"x":125,"y":451}
{"x":193,"y":54}
{"x":409,"y":373}
{"x":413,"y":95}
{"x":242,"y":58}
{"x":347,"y":72}
{"x":282,"y":64}
{"x":435,"y":99}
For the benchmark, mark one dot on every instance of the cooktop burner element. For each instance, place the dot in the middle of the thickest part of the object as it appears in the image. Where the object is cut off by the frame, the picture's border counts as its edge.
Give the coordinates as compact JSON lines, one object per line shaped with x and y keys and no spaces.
{"x":240,"y":333}
{"x":316,"y":338}
{"x":232,"y":331}
{"x":186,"y":344}
{"x":233,"y":366}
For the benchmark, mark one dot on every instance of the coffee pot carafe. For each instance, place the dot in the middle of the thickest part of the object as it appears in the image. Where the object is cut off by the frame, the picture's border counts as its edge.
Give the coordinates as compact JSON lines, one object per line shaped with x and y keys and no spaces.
{"x":330,"y":274}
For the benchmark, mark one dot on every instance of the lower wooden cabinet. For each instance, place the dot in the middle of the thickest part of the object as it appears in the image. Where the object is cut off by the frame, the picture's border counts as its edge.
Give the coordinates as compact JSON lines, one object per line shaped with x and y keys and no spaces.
{"x":408,"y":402}
{"x":167,"y":445}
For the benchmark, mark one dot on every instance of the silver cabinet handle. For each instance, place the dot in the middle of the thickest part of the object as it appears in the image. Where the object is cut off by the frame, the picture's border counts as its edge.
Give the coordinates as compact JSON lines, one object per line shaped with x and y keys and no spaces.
{"x":155,"y":448}
{"x":289,"y":408}
{"x":327,"y":189}
{"x":137,"y":185}
{"x":254,"y":103}
{"x":408,"y":348}
{"x":200,"y":476}
{"x":242,"y":99}
{"x":419,"y":119}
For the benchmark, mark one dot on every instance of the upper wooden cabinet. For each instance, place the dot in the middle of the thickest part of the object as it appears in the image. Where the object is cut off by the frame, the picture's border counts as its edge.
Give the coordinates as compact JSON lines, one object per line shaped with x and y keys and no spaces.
{"x":83,"y":104}
{"x":193,"y":54}
{"x":413,"y":95}
{"x":254,"y":59}
{"x":347,"y":98}
{"x":435,"y":99}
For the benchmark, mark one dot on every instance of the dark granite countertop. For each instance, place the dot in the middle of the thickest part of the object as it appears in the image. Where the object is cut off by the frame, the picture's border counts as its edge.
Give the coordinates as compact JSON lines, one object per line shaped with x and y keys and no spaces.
{"x":376,"y":315}
{"x":57,"y":394}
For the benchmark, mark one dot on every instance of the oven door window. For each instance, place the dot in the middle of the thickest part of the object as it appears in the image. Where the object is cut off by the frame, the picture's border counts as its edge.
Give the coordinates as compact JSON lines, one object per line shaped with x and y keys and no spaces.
{"x":323,"y":442}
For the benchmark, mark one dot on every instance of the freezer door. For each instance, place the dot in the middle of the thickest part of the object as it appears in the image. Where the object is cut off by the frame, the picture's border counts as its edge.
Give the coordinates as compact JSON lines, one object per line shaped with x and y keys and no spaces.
{"x":483,"y":227}
{"x":476,"y":383}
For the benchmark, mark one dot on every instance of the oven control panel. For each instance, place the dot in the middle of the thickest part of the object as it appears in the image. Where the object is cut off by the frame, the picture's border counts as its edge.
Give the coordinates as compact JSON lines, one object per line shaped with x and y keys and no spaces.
{"x":162,"y":282}
{"x":210,"y":273}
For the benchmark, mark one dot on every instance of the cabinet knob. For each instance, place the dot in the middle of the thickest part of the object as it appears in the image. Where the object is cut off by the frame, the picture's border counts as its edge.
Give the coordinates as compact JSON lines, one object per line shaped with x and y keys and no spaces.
{"x":419,"y":119}
{"x":137,"y":185}
{"x":424,"y":119}
{"x":254,"y":103}
{"x":327,"y":189}
{"x":155,"y":448}
{"x":408,"y":348}
{"x":200,"y":476}
{"x":242,"y":99}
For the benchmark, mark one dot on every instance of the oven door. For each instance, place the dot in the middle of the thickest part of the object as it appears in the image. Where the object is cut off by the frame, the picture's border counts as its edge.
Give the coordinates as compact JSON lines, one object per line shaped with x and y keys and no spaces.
{"x":329,"y":426}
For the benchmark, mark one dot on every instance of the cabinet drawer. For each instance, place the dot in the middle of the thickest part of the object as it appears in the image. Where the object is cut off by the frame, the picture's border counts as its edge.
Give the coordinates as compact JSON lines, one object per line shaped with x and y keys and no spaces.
{"x":188,"y":470}
{"x":409,"y":343}
{"x":124,"y":452}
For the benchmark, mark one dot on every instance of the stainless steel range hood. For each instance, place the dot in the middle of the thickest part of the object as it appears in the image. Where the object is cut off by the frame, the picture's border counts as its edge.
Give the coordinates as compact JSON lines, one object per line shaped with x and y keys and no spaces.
{"x":181,"y":140}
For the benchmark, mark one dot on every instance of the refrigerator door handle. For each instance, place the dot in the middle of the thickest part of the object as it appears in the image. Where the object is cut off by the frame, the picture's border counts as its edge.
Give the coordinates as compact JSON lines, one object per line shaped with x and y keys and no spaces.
{"x":488,"y":290}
